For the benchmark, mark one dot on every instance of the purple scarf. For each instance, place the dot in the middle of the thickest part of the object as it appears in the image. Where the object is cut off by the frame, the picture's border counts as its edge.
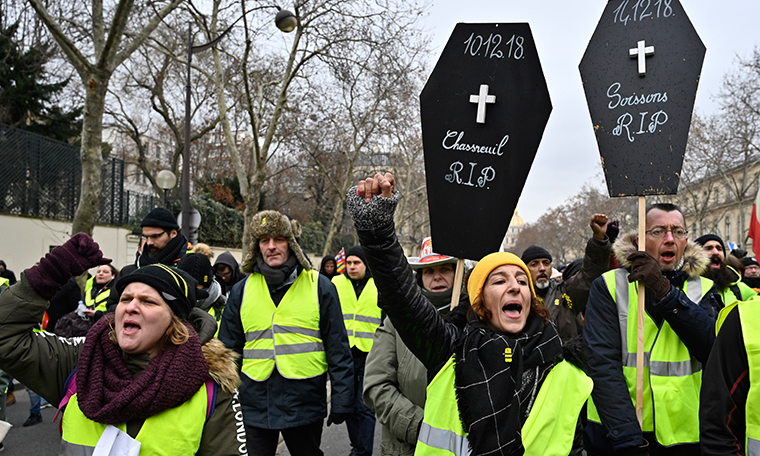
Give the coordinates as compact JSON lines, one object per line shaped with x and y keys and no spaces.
{"x":108,"y":394}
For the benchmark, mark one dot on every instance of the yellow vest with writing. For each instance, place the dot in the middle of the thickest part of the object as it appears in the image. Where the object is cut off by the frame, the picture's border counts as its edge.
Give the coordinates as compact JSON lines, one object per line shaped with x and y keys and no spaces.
{"x":361,"y":316}
{"x":287,"y":335}
{"x":548,"y":431}
{"x":176,"y":431}
{"x":672,"y":377}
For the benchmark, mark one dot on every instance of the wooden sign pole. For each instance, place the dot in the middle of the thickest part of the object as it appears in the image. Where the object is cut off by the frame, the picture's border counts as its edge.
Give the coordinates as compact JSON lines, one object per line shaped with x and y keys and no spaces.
{"x":458,"y":276}
{"x":640,"y":331}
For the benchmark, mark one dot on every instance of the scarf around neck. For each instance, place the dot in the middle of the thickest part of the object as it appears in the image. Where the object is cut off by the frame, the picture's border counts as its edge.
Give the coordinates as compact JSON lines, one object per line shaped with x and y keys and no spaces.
{"x":497,"y":376}
{"x":174,"y":250}
{"x":277,"y":276}
{"x":108,"y":394}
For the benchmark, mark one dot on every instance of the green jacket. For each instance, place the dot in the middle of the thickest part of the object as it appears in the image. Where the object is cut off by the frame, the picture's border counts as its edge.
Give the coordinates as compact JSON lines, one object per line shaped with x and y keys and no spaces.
{"x":43,"y":361}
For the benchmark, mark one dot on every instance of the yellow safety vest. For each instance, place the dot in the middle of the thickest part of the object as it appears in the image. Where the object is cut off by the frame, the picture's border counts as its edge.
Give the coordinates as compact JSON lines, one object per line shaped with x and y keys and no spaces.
{"x":672,"y":377}
{"x":287,"y":335}
{"x":4,"y":281}
{"x":174,"y":431}
{"x":548,"y":431}
{"x":361,"y":316}
{"x":749,"y":315}
{"x":99,"y":302}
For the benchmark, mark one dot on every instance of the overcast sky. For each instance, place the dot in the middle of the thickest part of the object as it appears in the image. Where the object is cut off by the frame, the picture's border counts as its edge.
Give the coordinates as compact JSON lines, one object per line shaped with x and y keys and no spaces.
{"x":568,"y":156}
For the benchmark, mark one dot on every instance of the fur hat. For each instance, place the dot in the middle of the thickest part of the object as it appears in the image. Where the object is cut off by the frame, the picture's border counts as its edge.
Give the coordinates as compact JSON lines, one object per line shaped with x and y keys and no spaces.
{"x":160,"y":218}
{"x":176,"y":286}
{"x":273,"y":224}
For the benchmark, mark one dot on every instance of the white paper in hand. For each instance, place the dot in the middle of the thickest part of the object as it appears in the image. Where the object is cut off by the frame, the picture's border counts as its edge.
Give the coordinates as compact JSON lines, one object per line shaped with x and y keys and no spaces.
{"x":114,"y":442}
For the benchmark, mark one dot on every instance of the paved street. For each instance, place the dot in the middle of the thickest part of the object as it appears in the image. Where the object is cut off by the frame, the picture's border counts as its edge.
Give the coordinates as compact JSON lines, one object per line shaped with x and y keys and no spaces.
{"x":40,"y":439}
{"x":43,"y":438}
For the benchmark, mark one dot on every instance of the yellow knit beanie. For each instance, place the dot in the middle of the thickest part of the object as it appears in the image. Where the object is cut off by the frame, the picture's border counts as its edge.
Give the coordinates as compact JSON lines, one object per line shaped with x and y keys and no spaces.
{"x":487,"y":265}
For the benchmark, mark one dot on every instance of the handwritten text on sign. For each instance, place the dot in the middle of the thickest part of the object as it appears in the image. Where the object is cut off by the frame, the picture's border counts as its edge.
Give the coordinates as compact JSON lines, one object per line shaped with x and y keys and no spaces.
{"x":494,"y":46}
{"x":639,"y":10}
{"x":646,"y":123}
{"x":485,"y":174}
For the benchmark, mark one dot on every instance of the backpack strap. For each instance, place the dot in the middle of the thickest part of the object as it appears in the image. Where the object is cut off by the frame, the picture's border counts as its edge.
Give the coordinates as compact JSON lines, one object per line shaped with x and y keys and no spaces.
{"x":737,"y":292}
{"x":69,"y":389}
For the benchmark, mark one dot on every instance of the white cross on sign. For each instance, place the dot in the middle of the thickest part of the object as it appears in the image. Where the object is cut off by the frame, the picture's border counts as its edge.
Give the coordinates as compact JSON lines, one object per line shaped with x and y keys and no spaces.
{"x":481,"y":99}
{"x":641,"y":52}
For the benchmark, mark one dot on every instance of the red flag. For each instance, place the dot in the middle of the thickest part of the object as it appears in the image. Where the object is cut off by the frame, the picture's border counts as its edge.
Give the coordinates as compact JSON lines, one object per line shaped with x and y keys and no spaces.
{"x":340,"y":261}
{"x":754,"y":225}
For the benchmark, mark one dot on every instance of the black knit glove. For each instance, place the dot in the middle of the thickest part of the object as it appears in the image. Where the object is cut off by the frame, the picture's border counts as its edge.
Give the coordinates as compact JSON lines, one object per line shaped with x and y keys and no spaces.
{"x":646,"y":269}
{"x":74,"y":257}
{"x":377,"y":214}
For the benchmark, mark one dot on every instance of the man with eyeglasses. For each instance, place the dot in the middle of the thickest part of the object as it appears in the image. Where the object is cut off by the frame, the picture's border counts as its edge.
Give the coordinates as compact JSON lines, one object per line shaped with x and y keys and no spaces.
{"x":679,"y":330}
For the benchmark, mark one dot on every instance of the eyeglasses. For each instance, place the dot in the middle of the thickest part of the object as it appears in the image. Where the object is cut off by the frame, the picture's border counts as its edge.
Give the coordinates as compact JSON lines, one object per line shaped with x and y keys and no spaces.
{"x":660,"y":231}
{"x":153,"y":237}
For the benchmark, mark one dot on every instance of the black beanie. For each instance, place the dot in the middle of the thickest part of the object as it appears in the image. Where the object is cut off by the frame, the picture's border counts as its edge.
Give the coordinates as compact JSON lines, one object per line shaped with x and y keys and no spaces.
{"x":357,"y":252}
{"x":176,"y":286}
{"x":533,"y":252}
{"x":199,"y":267}
{"x":161,"y":218}
{"x":746,"y":261}
{"x":702,"y":240}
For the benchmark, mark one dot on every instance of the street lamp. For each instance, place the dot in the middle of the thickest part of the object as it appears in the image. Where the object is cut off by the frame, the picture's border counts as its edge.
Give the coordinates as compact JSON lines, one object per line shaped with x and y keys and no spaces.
{"x":166,"y":180}
{"x":286,"y":22}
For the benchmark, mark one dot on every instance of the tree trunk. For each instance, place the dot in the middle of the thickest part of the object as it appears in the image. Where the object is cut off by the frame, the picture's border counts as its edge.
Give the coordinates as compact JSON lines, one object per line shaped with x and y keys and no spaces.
{"x":92,"y":158}
{"x":334,"y":224}
{"x":252,"y":206}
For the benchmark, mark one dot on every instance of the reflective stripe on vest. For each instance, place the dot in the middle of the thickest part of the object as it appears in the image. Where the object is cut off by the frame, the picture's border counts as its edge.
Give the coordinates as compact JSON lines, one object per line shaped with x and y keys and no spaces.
{"x":288,"y":335}
{"x":672,"y":378}
{"x":361,"y":316}
{"x":548,"y":431}
{"x":174,"y":431}
{"x":749,"y":314}
{"x":99,"y":303}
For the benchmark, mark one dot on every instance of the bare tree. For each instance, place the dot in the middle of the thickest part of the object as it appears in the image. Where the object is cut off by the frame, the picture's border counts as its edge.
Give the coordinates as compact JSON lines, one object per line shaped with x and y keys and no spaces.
{"x":96,"y":39}
{"x":327,"y":33}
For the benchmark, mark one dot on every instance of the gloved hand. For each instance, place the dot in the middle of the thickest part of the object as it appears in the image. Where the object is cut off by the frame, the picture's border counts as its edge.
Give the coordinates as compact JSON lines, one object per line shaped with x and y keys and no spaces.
{"x":337,"y":418}
{"x":74,"y":257}
{"x":613,"y":229}
{"x":646,"y":269}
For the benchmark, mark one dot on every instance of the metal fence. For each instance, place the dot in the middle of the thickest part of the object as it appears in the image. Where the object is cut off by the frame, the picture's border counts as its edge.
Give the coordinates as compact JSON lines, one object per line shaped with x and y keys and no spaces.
{"x":42,"y":177}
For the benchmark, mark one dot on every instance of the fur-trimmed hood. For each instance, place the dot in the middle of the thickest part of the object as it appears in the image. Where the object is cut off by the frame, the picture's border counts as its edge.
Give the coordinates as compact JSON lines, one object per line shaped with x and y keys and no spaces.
{"x":222,"y":364}
{"x":695,"y":260}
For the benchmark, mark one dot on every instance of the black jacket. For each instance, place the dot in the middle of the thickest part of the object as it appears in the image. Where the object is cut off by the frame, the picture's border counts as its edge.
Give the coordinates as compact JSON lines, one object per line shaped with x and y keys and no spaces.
{"x":725,"y":385}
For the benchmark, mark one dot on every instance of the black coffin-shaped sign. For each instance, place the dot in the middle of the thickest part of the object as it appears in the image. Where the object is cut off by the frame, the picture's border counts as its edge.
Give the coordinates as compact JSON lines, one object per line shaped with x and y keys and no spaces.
{"x":640,"y":73}
{"x":484,"y":110}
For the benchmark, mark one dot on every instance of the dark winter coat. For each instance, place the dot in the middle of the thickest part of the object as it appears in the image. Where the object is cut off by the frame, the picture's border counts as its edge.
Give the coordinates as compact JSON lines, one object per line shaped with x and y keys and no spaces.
{"x":725,"y":385}
{"x":280,"y":403}
{"x":566,"y":300}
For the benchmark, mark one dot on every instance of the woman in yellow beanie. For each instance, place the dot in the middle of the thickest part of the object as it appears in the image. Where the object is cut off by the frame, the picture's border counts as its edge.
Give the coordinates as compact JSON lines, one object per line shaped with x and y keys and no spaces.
{"x":499,"y":382}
